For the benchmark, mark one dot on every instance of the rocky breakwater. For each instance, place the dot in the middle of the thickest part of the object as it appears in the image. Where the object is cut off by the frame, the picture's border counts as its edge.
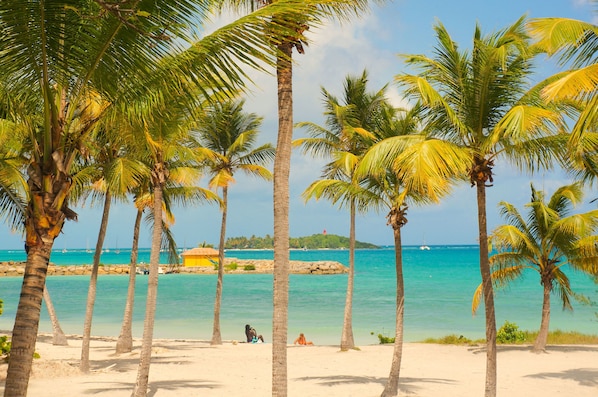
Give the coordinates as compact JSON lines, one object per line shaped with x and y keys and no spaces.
{"x":231,"y":265}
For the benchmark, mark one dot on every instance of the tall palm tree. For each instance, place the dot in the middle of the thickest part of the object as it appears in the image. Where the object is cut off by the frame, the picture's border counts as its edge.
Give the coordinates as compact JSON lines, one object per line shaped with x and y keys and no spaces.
{"x":406,"y":167}
{"x":549,"y":242}
{"x":226,"y":136}
{"x":575,"y":43}
{"x":115,"y":174}
{"x":351,"y":131}
{"x":55,"y":56}
{"x":480,"y":99}
{"x":314,"y":14}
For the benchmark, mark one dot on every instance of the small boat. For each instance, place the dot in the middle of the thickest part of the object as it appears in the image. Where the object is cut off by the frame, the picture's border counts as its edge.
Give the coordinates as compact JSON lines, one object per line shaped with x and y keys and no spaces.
{"x":424,"y":247}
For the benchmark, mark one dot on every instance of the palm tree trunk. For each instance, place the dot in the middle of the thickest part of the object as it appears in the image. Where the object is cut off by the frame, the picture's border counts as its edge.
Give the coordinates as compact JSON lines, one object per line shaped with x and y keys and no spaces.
{"x":347,"y":341}
{"x":282,"y":166}
{"x":152,"y":289}
{"x":490,"y":387}
{"x":24,"y":333}
{"x":58,"y":336}
{"x":124,"y":344}
{"x":93,"y":282}
{"x":542,"y":338}
{"x":216,"y":336}
{"x":392,"y":384}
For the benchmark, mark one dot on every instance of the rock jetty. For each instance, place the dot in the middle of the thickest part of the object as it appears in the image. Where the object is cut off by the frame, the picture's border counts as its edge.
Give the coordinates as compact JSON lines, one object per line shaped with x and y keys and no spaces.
{"x":231,"y":265}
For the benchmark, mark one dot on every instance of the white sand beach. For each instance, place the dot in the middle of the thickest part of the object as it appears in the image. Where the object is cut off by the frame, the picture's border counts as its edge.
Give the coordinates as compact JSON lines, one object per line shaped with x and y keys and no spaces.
{"x":194,"y":368}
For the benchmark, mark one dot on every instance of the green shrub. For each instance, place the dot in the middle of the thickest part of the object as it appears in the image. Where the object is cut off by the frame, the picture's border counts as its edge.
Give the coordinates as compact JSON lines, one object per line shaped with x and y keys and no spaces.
{"x":1,"y":306}
{"x":510,"y":333}
{"x":249,"y":267}
{"x":385,"y":339}
{"x":231,"y":266}
{"x":4,"y":347}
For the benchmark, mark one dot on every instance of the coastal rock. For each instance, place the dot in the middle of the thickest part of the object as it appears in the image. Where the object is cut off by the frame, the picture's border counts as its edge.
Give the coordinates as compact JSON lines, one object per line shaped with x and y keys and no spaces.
{"x":231,"y":265}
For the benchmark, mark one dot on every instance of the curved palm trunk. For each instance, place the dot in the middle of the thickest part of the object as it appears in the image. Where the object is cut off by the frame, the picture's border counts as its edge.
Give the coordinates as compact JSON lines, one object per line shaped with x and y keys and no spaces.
{"x":542,"y":338}
{"x":93,"y":282}
{"x":58,"y":336}
{"x":124,"y":344}
{"x":392,"y":384}
{"x":490,"y":388}
{"x":216,"y":336}
{"x":24,"y":333}
{"x":347,"y":341}
{"x":152,"y":288}
{"x":282,"y":166}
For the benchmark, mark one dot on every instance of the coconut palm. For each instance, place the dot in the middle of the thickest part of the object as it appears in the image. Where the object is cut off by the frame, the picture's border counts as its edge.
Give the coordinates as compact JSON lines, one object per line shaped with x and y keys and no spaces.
{"x":58,"y":57}
{"x":550,"y":242}
{"x":575,"y":43}
{"x":351,"y":123}
{"x":406,"y":167}
{"x":115,"y":174}
{"x":226,"y":135}
{"x":480,"y":100}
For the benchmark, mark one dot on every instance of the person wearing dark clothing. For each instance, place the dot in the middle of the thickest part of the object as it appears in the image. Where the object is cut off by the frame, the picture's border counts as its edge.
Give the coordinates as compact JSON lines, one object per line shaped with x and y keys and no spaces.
{"x":251,"y":334}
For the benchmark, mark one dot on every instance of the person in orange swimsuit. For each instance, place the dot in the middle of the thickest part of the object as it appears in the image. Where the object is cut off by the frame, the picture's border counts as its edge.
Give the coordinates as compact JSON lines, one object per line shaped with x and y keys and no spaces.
{"x":302,"y":341}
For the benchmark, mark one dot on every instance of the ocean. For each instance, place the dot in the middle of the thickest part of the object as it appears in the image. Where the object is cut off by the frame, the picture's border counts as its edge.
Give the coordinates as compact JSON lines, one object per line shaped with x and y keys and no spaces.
{"x":439,"y":284}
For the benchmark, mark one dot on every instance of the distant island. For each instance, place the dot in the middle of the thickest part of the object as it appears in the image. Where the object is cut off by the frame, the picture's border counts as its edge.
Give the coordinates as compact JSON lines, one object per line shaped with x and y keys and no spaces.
{"x":315,"y":241}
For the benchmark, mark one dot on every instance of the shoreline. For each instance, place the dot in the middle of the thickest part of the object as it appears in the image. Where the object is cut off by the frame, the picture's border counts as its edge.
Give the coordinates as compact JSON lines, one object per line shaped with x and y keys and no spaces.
{"x":194,"y":367}
{"x":231,"y":266}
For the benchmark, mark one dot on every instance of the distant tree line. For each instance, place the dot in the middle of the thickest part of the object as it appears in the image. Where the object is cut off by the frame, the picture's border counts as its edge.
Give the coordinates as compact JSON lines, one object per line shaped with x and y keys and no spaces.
{"x":314,"y":241}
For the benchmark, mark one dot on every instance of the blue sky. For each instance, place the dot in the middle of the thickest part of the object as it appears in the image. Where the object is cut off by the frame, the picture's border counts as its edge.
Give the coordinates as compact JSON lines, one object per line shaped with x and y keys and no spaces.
{"x":373,"y":42}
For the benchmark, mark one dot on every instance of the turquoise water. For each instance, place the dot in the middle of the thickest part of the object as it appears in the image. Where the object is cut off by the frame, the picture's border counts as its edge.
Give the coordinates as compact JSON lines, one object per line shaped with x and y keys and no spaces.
{"x":439,"y":284}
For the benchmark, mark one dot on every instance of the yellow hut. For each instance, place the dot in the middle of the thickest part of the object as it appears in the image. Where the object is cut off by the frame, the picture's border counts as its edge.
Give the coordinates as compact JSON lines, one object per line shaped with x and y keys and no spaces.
{"x":200,"y":257}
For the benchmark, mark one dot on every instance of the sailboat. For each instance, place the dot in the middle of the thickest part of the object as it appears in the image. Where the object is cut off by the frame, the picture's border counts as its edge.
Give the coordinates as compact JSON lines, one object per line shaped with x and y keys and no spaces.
{"x":424,"y":247}
{"x":87,"y":247}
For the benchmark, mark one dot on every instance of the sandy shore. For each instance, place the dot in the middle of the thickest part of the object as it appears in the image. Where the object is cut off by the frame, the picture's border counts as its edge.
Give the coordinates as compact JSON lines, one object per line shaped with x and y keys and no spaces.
{"x":194,"y":368}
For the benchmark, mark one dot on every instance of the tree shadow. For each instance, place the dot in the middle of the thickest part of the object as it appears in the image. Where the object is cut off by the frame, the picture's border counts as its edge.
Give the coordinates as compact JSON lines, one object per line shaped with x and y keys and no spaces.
{"x":583,"y":376}
{"x":529,"y":348}
{"x":153,"y":387}
{"x":407,"y":385}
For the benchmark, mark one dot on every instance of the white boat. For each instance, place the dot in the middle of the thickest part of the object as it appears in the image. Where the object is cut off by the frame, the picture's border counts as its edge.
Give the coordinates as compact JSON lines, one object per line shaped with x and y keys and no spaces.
{"x":424,"y":247}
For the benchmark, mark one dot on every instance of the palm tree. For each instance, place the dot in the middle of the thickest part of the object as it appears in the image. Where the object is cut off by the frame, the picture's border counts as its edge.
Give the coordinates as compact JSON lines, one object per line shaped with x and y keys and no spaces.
{"x":406,"y":167}
{"x":575,"y":44}
{"x":54,"y":68}
{"x":551,"y":241}
{"x":115,"y":174}
{"x":351,"y":124}
{"x":480,"y":100}
{"x":313,"y":14}
{"x":226,"y":135}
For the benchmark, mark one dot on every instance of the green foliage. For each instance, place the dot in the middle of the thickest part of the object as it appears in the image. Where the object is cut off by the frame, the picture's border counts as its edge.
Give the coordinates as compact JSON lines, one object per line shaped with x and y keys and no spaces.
{"x":385,"y":339}
{"x":453,"y":340}
{"x":315,"y":241}
{"x":231,"y":266}
{"x":4,"y":347}
{"x":510,"y":333}
{"x":1,"y":306}
{"x":249,"y":267}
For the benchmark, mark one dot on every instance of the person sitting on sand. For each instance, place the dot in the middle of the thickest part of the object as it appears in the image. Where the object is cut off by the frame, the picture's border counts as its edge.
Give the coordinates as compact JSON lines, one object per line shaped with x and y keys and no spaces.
{"x":252,"y":336}
{"x":302,"y":341}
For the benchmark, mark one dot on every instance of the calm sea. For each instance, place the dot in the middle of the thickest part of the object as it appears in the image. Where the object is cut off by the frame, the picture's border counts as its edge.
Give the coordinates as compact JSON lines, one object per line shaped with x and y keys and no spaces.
{"x":439,"y":284}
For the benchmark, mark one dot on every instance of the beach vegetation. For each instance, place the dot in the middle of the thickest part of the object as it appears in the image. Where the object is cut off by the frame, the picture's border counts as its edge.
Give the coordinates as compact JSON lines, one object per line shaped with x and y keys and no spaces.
{"x":249,"y":267}
{"x":230,"y":266}
{"x":349,"y":131}
{"x":510,"y":333}
{"x":551,"y":240}
{"x":454,"y":339}
{"x":4,"y":347}
{"x":226,"y":137}
{"x":480,"y":99}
